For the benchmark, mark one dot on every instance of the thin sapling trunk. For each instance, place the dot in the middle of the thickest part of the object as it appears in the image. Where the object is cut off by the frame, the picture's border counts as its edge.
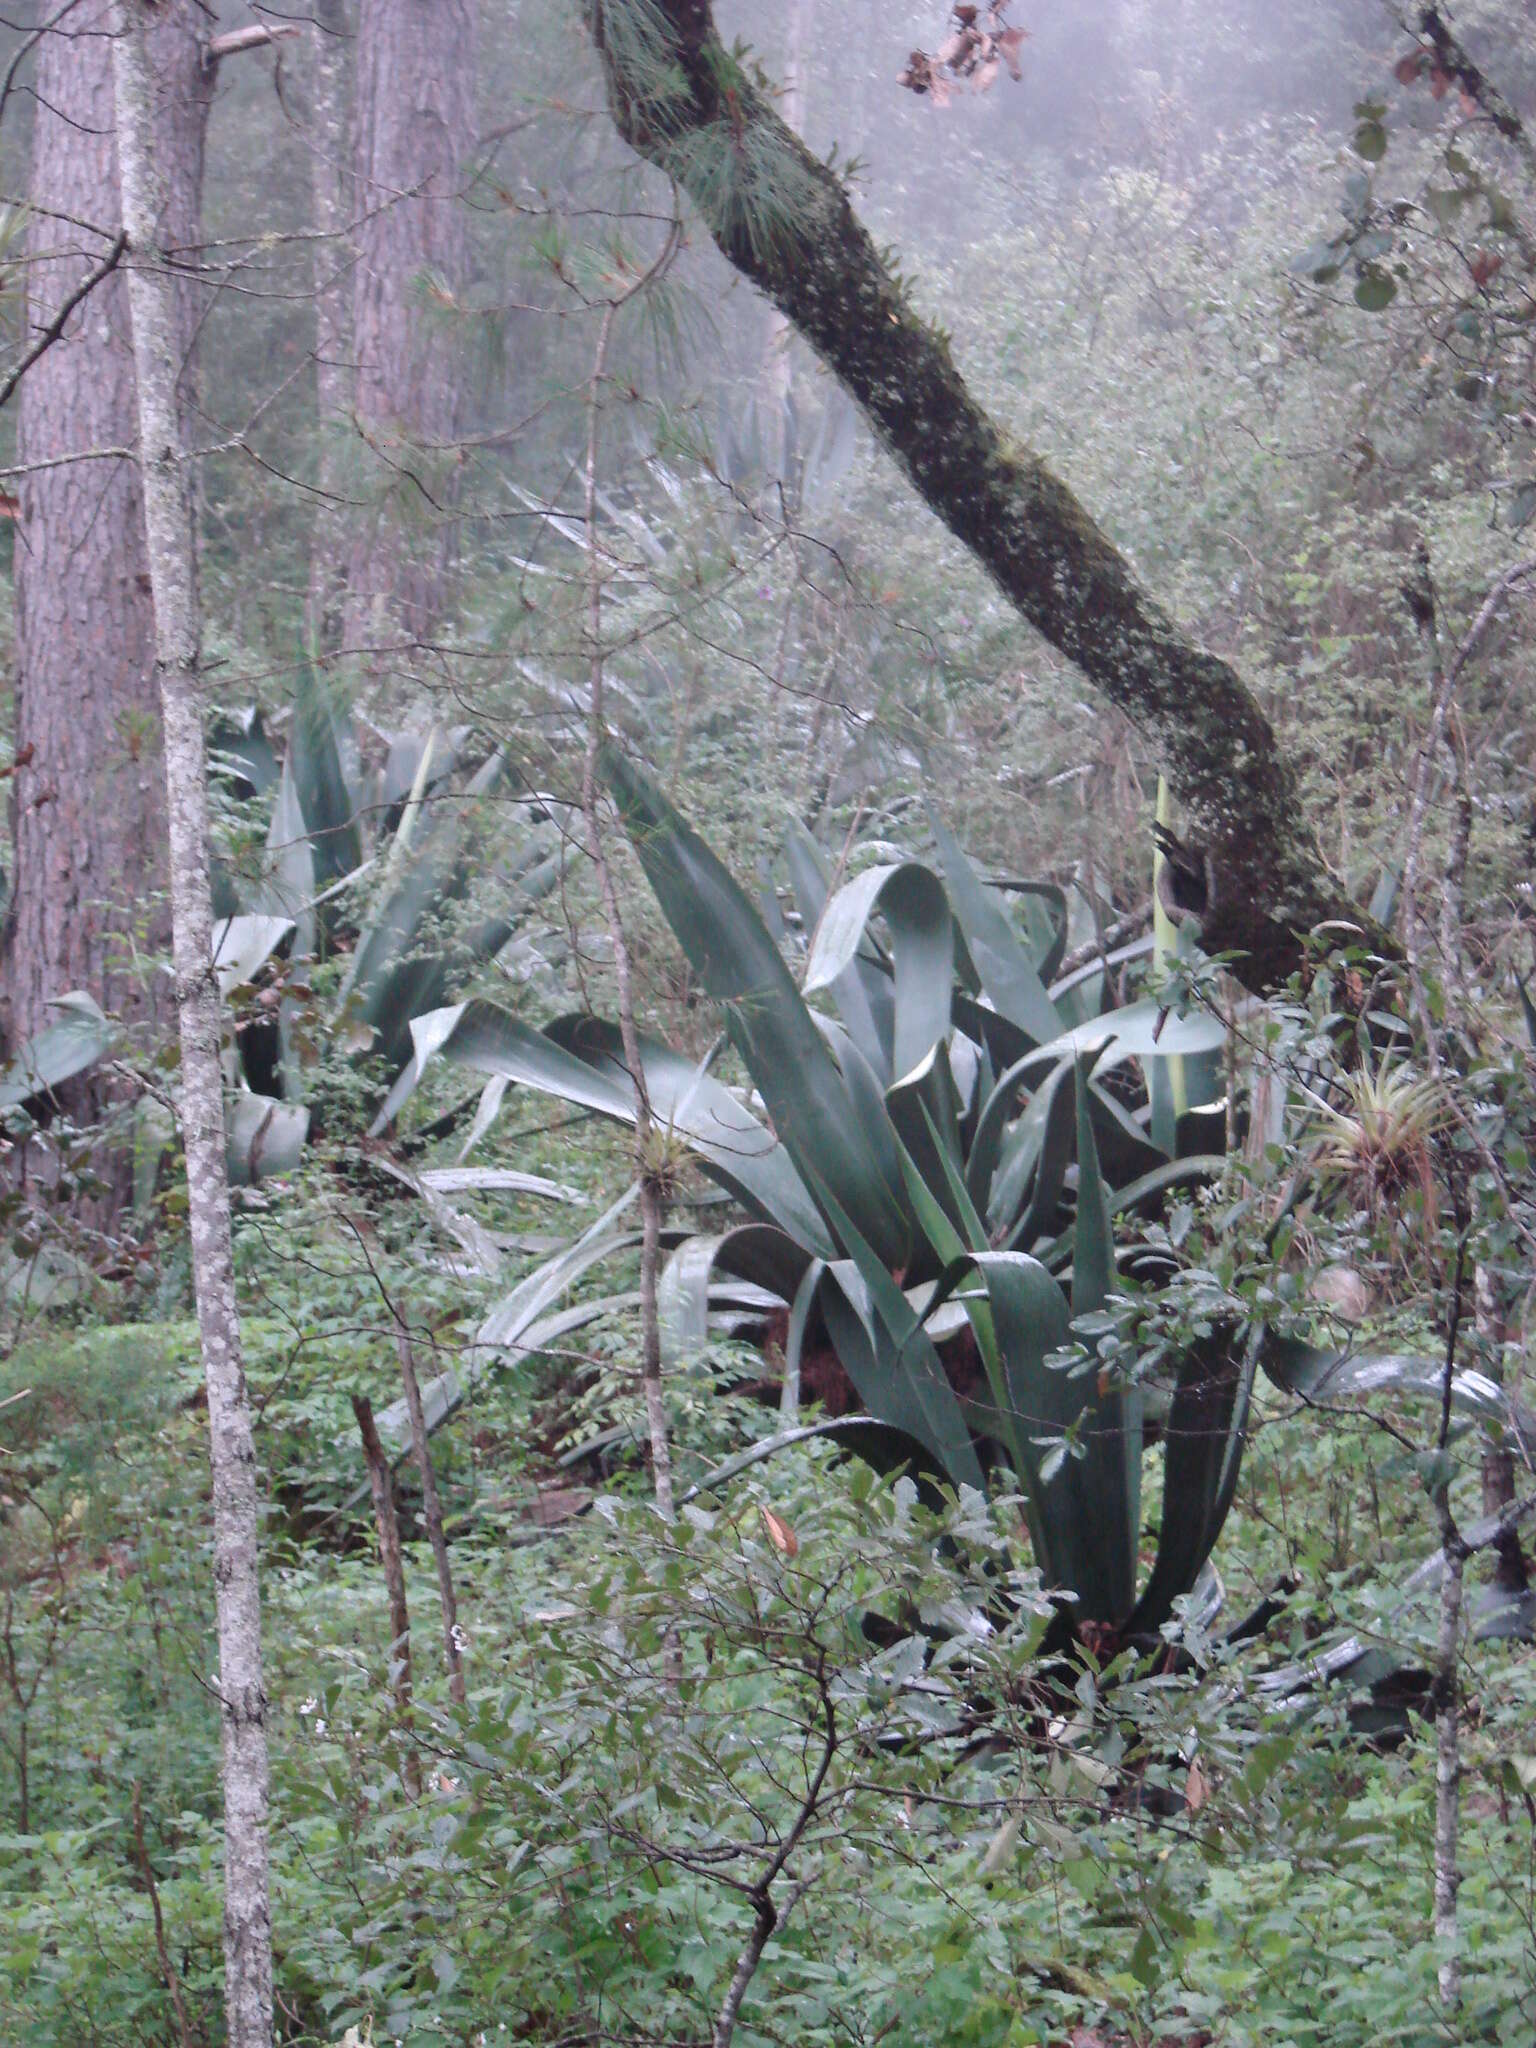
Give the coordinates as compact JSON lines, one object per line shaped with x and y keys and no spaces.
{"x":173,"y":588}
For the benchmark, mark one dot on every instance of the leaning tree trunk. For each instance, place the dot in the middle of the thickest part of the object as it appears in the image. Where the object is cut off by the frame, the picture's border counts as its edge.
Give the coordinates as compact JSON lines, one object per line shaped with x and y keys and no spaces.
{"x":171,"y":560}
{"x":783,"y":220}
{"x":415,"y":129}
{"x":88,"y":905}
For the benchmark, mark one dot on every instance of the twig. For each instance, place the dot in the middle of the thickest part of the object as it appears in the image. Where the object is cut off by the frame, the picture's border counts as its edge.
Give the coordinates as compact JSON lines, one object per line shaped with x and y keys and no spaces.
{"x":647,"y":1167}
{"x":767,"y":1915}
{"x":432,"y":1507}
{"x":167,"y":1967}
{"x":60,"y":320}
{"x":1446,"y":1690}
{"x":388,"y":1525}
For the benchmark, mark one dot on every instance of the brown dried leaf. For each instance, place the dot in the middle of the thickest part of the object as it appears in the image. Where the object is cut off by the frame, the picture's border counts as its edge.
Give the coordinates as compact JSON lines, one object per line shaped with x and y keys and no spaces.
{"x":1485,"y":264}
{"x":1407,"y":69}
{"x":986,"y":75}
{"x":1009,"y":43}
{"x":780,"y":1534}
{"x":1197,"y":1787}
{"x":1439,"y":81}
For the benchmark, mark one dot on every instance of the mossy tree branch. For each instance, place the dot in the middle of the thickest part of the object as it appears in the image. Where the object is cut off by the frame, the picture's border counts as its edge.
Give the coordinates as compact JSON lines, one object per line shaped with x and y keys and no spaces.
{"x":783,"y":219}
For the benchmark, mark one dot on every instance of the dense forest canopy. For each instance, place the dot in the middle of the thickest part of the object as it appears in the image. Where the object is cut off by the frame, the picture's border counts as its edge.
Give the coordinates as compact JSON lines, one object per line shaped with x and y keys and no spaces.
{"x":766,"y":1035}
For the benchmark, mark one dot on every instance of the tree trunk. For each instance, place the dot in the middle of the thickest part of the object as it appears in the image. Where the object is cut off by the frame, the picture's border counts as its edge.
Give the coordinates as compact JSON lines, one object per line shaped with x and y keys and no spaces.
{"x":330,"y":143}
{"x":88,"y":814}
{"x":171,"y":562}
{"x":415,"y":127}
{"x":783,"y":220}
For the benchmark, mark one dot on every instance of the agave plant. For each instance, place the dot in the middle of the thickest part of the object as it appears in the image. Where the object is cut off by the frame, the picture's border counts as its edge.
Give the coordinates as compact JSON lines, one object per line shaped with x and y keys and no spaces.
{"x":934,"y":1150}
{"x":331,"y":826}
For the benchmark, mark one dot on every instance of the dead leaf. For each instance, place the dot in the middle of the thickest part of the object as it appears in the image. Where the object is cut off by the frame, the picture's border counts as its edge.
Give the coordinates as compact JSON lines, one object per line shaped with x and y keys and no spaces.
{"x":1197,"y":1787}
{"x":1407,"y":69}
{"x":780,"y":1534}
{"x":1009,"y":44}
{"x":1485,"y":264}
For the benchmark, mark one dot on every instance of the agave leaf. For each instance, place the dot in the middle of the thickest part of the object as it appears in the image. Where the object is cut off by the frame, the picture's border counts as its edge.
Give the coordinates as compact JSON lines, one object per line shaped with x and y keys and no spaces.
{"x":579,"y":1060}
{"x":1173,"y":1173}
{"x":391,"y":979}
{"x":922,"y":1112}
{"x":1527,"y":1010}
{"x":487,"y":1109}
{"x":769,"y":1447}
{"x":71,"y":1045}
{"x":900,"y":1381}
{"x":911,"y":899}
{"x":262,"y":1136}
{"x":1008,"y":974}
{"x":509,"y":1320}
{"x":740,"y":966}
{"x":1082,"y":988}
{"x":757,"y":1254}
{"x":1107,"y":1479}
{"x":1034,"y":1160}
{"x":240,"y":742}
{"x":495,"y":1180}
{"x":531,"y":1332}
{"x":287,"y":886}
{"x":319,"y":783}
{"x":862,"y":992}
{"x":1143,"y":1030}
{"x":794,"y":1340}
{"x":242,"y":945}
{"x":1317,"y":1375}
{"x":871,"y":1105}
{"x":1046,"y":920}
{"x":1043,"y":1406}
{"x":1202,"y":1450}
{"x":900,"y":1378}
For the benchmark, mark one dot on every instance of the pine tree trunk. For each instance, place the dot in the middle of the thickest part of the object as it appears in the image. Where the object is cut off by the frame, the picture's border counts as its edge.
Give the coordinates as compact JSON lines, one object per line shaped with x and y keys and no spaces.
{"x":330,"y":143}
{"x":171,"y":565}
{"x":88,"y":907}
{"x":415,"y":128}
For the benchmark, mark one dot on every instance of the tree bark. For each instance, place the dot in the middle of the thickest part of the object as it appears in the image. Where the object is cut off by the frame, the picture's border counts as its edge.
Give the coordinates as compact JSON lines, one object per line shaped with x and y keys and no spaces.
{"x":782,"y":218}
{"x":88,"y":818}
{"x":171,"y":566}
{"x":415,"y":126}
{"x":330,"y":143}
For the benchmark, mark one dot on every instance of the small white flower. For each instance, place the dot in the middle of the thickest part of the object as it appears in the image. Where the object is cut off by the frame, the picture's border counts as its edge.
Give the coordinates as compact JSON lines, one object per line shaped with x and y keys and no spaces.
{"x":308,"y":1706}
{"x":319,"y":1727}
{"x":460,"y":1640}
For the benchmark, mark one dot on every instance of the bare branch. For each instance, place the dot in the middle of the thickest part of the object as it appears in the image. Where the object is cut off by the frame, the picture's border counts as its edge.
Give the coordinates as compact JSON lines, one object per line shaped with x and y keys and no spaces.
{"x":57,"y":324}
